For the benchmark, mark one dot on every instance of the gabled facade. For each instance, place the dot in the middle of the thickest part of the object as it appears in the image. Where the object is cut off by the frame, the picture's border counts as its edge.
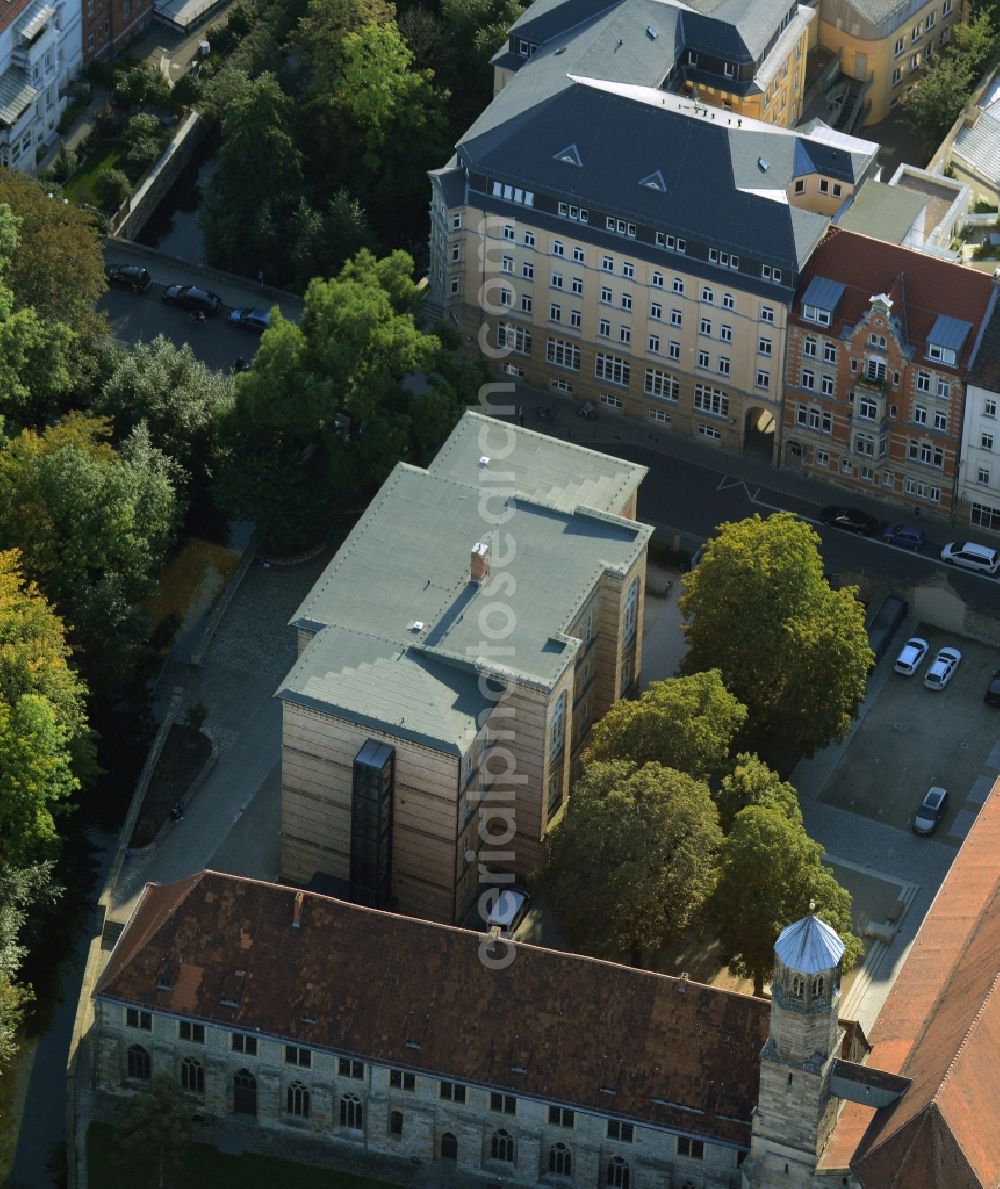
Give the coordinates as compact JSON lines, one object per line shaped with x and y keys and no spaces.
{"x":879,"y":346}
{"x":479,"y":617}
{"x":634,"y":249}
{"x":886,"y":44}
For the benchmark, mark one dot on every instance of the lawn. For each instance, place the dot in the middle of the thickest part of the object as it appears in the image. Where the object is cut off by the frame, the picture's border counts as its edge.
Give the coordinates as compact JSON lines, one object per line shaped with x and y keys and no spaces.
{"x":81,"y":186}
{"x":206,"y":1166}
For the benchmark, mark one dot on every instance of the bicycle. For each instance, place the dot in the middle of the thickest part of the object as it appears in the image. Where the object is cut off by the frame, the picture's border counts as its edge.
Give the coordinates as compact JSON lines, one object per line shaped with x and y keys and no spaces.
{"x":197,"y":318}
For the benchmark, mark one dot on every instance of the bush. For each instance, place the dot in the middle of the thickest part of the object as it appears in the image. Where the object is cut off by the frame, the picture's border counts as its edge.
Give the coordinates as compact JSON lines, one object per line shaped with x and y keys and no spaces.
{"x":141,"y":156}
{"x":197,"y":712}
{"x":187,"y":92}
{"x":241,"y":20}
{"x":64,"y":164}
{"x":113,"y":187}
{"x":141,"y":127}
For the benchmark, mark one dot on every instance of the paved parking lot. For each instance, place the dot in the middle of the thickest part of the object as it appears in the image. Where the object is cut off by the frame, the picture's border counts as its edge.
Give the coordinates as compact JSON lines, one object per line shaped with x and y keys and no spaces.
{"x":913,"y":738}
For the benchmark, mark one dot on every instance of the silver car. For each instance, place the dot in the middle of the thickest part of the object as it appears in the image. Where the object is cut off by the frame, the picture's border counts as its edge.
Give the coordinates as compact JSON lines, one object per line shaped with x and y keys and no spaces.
{"x":911,"y":656}
{"x":943,"y":668}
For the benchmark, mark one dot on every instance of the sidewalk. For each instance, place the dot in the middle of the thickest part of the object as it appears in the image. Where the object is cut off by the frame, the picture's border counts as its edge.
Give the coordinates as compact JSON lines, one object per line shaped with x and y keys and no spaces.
{"x":612,"y":428}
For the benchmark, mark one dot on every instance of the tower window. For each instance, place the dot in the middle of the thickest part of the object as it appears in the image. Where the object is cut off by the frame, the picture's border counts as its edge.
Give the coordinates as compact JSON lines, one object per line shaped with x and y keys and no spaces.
{"x":798,"y":986}
{"x":789,"y":1079}
{"x":819,"y":985}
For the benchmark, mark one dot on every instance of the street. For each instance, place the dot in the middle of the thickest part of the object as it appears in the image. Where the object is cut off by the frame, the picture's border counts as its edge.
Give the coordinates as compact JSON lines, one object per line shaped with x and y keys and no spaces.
{"x":692,"y":488}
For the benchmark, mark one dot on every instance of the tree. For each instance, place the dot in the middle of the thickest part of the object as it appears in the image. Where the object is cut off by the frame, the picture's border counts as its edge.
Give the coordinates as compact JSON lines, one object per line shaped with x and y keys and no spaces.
{"x":791,"y":649}
{"x":36,"y":779}
{"x":253,"y":192}
{"x":34,"y":363}
{"x":323,"y":241}
{"x":475,"y":30}
{"x":633,"y":859}
{"x":21,"y":888}
{"x":936,"y":100}
{"x":178,"y":397}
{"x":156,"y":1133}
{"x":976,"y":40}
{"x":57,"y":265}
{"x":326,"y":410}
{"x":324,"y":26}
{"x":752,"y":782}
{"x":687,"y":723}
{"x":113,"y":187}
{"x":93,"y":529}
{"x":769,"y":871}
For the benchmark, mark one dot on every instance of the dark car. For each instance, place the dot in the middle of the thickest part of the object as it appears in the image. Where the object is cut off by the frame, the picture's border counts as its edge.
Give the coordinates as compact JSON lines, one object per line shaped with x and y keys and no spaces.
{"x":256,"y":320}
{"x":128,"y":276}
{"x":931,"y":811}
{"x":906,"y":535}
{"x":190,"y":297}
{"x":992,"y":695}
{"x":853,"y":520}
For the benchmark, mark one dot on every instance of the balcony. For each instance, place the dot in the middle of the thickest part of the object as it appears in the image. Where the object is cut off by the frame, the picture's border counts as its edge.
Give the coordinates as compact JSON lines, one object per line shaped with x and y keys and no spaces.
{"x":867,"y":383}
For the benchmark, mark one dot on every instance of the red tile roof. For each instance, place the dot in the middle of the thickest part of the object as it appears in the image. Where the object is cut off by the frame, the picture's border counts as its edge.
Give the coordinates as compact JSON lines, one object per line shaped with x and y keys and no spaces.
{"x":10,"y":10}
{"x":920,"y":285}
{"x":675,"y":1053}
{"x":940,"y":1026}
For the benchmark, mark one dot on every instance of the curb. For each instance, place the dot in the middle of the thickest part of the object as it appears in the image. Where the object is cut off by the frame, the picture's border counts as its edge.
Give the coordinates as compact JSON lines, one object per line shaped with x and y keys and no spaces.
{"x":142,"y":852}
{"x":298,"y":559}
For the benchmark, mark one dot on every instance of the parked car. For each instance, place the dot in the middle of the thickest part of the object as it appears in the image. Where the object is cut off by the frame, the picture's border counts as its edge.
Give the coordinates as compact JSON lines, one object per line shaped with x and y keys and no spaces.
{"x":128,"y":276}
{"x":992,"y":695}
{"x":971,"y":556}
{"x":256,"y":320}
{"x":906,"y":535}
{"x":942,"y":668}
{"x":190,"y":297}
{"x":931,"y":811}
{"x":509,"y":910}
{"x":853,"y":520}
{"x":911,"y":656}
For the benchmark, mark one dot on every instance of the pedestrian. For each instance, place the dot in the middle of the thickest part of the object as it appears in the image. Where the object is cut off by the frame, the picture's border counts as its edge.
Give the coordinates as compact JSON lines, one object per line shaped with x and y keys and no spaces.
{"x":260,"y":276}
{"x":520,"y":416}
{"x":916,"y":513}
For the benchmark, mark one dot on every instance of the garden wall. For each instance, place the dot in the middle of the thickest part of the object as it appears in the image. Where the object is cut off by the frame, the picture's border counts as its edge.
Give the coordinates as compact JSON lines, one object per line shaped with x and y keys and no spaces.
{"x":132,"y":215}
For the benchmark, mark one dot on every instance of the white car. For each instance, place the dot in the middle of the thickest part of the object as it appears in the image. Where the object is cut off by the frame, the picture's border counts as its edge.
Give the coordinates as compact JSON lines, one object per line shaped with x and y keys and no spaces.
{"x":911,"y":656}
{"x":943,"y":668}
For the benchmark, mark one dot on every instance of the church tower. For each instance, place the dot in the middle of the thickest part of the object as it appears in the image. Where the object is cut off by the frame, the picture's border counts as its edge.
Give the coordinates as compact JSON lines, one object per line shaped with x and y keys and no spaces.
{"x":795,"y":1112}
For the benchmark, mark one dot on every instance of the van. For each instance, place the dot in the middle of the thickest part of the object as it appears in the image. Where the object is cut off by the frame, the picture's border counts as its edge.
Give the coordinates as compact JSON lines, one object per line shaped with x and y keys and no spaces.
{"x":971,"y":556}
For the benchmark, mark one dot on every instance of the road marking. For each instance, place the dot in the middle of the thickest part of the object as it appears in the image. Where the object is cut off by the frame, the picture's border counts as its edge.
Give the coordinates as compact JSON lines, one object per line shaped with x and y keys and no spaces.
{"x":725,"y":483}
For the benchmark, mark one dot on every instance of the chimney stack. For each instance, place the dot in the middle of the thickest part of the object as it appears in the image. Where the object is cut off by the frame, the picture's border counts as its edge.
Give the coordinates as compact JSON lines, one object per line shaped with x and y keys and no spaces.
{"x":479,"y":562}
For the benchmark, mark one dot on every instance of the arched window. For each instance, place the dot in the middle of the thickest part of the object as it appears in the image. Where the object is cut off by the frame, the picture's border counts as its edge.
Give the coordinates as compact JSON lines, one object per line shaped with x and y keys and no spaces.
{"x":449,"y":1147}
{"x":502,"y":1146}
{"x":244,"y":1093}
{"x":352,"y":1112}
{"x":396,"y":1123}
{"x":798,"y":986}
{"x":138,"y":1063}
{"x":819,"y":986}
{"x":192,"y":1076}
{"x":619,"y":1174}
{"x":560,"y":1160}
{"x":297,"y":1100}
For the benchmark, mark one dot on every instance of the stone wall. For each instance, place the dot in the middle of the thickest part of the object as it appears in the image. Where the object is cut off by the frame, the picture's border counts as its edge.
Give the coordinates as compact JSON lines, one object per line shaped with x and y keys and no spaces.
{"x":133,"y":214}
{"x":425,"y":1110}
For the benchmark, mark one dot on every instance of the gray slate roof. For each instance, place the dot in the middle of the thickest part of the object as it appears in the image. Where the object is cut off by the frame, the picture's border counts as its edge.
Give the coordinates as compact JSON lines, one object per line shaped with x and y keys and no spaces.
{"x":717,"y":191}
{"x":556,"y":473}
{"x":809,"y":946}
{"x":883,"y":212}
{"x":399,"y":642}
{"x":980,"y":146}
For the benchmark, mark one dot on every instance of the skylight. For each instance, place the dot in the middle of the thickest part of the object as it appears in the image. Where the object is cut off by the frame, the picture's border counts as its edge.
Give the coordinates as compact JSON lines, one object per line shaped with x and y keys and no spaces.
{"x":570,"y":154}
{"x":654,"y":181}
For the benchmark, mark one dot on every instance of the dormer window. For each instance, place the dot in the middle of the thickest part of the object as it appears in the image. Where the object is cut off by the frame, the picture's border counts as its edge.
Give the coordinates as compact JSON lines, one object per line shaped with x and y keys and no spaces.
{"x":811,"y":313}
{"x":525,"y":48}
{"x":941,"y":354}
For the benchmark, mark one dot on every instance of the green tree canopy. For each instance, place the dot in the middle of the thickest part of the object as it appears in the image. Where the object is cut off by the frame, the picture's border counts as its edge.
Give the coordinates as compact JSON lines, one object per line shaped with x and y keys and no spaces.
{"x":687,"y":723}
{"x":752,"y":782}
{"x":57,"y":267}
{"x":328,"y":408}
{"x":769,"y":871}
{"x":34,"y":660}
{"x":633,"y":859}
{"x":177,"y":396}
{"x":21,"y":888}
{"x":254,"y":190}
{"x":92,"y":529}
{"x":36,"y":779}
{"x":936,"y":99}
{"x":791,"y":649}
{"x":155,"y":1135}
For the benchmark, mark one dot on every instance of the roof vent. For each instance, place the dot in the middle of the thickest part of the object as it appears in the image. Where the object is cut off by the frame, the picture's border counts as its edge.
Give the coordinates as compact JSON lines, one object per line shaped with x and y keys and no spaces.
{"x":651,"y":32}
{"x":654,"y":181}
{"x":570,"y":155}
{"x":297,"y":909}
{"x":417,"y":625}
{"x":560,"y":50}
{"x":484,"y":460}
{"x":762,"y":165}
